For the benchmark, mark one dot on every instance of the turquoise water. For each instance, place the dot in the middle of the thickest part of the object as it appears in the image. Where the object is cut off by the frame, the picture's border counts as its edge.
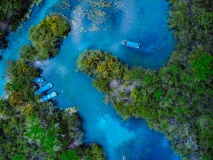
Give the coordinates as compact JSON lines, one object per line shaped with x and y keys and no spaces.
{"x":142,"y":21}
{"x":19,"y":38}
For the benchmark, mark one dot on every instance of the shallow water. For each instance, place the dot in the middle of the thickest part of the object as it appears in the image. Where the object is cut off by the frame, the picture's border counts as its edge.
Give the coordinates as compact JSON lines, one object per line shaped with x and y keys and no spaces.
{"x":142,"y":21}
{"x":19,"y":38}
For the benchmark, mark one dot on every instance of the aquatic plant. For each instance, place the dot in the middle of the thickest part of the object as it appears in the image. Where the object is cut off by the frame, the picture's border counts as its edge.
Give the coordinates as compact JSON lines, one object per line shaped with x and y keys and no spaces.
{"x":97,"y":14}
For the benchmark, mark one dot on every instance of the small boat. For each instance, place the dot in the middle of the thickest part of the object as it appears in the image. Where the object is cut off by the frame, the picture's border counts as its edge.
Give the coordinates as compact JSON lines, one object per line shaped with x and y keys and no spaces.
{"x":48,"y":97}
{"x":38,"y":80}
{"x":130,"y":44}
{"x":43,"y":89}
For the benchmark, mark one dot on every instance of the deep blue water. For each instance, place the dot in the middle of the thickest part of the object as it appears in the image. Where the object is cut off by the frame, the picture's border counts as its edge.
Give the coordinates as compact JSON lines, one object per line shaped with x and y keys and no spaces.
{"x":142,"y":21}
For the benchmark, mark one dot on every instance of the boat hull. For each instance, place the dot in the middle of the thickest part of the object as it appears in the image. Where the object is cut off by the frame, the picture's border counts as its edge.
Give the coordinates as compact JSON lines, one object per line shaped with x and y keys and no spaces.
{"x":38,"y":80}
{"x":130,"y":44}
{"x":48,"y":97}
{"x":43,"y":89}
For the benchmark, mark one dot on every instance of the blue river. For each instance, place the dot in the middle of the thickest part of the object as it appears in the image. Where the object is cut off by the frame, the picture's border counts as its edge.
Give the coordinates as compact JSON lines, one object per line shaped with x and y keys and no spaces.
{"x":102,"y":25}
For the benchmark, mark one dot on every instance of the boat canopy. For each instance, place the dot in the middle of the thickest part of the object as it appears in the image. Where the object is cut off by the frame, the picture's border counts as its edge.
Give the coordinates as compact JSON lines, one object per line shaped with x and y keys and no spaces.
{"x":43,"y":89}
{"x":48,"y":97}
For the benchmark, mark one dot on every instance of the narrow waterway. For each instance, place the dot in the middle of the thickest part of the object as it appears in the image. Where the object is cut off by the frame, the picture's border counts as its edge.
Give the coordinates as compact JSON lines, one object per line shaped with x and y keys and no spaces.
{"x":98,"y":26}
{"x":19,"y":38}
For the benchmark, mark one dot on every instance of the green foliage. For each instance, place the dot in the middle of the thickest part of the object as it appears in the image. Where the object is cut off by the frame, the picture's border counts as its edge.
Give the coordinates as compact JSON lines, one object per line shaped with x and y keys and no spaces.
{"x":34,"y":129}
{"x":90,"y":152}
{"x":168,"y":98}
{"x":30,"y":129}
{"x":205,"y":132}
{"x":28,"y":53}
{"x":158,"y":94}
{"x":69,"y":155}
{"x":89,"y":60}
{"x":12,"y":13}
{"x":19,"y":157}
{"x":133,"y":74}
{"x":46,"y":36}
{"x":19,"y":86}
{"x":176,"y":99}
{"x":9,"y":8}
{"x":95,"y":152}
{"x":102,"y":65}
{"x":201,"y":65}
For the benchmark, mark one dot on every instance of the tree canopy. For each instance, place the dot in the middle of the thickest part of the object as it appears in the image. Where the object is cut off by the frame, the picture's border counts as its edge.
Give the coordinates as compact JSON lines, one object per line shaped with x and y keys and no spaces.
{"x":47,"y":36}
{"x":12,"y":13}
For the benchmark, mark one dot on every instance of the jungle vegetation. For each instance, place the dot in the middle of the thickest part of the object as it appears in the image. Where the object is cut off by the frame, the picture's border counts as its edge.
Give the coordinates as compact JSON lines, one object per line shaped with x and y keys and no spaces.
{"x":12,"y":13}
{"x":30,"y":129}
{"x":45,"y":38}
{"x":175,"y":99}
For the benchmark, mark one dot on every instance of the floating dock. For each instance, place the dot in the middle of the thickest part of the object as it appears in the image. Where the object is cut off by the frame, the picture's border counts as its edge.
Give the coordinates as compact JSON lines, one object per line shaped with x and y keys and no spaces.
{"x":43,"y":89}
{"x":48,"y":97}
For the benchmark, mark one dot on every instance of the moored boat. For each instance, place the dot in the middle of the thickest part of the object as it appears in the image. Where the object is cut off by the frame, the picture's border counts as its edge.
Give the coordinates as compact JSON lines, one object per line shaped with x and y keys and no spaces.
{"x":43,"y":89}
{"x":48,"y":97}
{"x":130,"y":44}
{"x":38,"y":80}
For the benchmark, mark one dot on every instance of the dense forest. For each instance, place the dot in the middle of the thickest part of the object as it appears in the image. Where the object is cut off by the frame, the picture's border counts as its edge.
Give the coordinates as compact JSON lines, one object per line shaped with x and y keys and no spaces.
{"x":12,"y":13}
{"x":175,"y":99}
{"x":30,"y":129}
{"x":45,"y":38}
